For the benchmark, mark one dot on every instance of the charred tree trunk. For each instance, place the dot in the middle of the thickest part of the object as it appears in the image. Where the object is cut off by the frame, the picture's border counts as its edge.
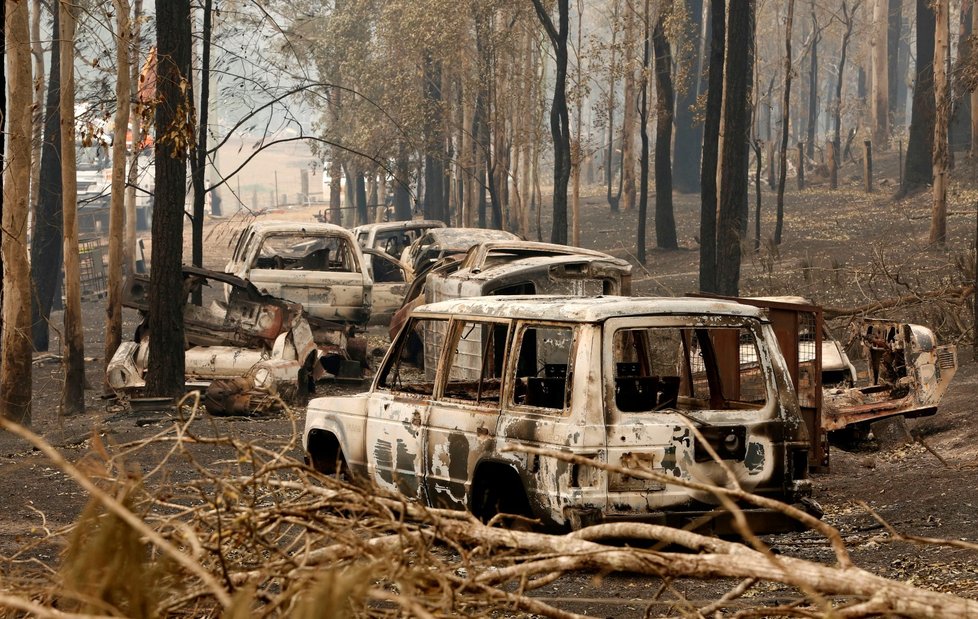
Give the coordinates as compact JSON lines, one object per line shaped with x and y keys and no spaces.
{"x":689,"y":132}
{"x":15,"y":364}
{"x":363,"y":217}
{"x":37,"y":118}
{"x":559,"y":117}
{"x":880,"y":105}
{"x":665,"y":220}
{"x":165,"y":371}
{"x":117,"y":206}
{"x":609,"y":168}
{"x":3,"y":114}
{"x":785,"y":108}
{"x":47,"y":244}
{"x":893,"y":78}
{"x":919,"y":168}
{"x":711,"y":141}
{"x":732,"y":215}
{"x":198,"y":158}
{"x":73,"y":392}
{"x":756,"y":145}
{"x":974,"y":107}
{"x":938,"y":221}
{"x":434,"y":162}
{"x":643,"y":118}
{"x":812,"y":84}
{"x":847,"y":21}
{"x":629,"y":113}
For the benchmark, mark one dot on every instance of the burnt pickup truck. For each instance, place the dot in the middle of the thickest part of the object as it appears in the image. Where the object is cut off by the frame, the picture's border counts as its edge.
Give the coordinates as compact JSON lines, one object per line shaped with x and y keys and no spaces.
{"x":320,"y":266}
{"x":619,"y":380}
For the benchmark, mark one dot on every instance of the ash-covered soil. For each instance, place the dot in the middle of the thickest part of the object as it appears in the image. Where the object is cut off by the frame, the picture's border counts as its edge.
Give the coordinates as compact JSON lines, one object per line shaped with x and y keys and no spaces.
{"x":843,"y":249}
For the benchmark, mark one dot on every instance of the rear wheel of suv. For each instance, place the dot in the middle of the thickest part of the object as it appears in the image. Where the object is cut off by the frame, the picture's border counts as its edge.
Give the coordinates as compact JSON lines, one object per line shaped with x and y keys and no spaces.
{"x":497,"y":489}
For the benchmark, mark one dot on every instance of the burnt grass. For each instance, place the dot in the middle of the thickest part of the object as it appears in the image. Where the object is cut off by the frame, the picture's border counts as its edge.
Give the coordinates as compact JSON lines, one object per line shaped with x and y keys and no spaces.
{"x":842,"y":248}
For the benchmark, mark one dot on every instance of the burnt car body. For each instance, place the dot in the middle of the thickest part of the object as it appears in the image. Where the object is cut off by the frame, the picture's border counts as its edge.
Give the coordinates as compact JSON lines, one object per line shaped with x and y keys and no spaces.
{"x":524,"y":267}
{"x":253,"y":336}
{"x":903,"y":371}
{"x":907,"y":374}
{"x":517,"y":267}
{"x":394,"y":237}
{"x":614,"y":379}
{"x":441,"y":242}
{"x":318,"y":265}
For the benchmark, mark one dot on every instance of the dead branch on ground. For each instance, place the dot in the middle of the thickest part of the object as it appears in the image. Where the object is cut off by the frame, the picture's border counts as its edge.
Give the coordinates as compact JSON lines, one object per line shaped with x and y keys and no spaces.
{"x":256,"y":532}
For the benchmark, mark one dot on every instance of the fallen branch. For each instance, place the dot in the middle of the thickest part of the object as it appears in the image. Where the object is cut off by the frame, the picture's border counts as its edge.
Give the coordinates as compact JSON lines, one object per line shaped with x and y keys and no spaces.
{"x":956,"y":294}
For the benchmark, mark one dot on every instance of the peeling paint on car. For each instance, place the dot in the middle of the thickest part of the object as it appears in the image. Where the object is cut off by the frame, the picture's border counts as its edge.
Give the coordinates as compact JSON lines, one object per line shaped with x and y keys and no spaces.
{"x":754,"y":461}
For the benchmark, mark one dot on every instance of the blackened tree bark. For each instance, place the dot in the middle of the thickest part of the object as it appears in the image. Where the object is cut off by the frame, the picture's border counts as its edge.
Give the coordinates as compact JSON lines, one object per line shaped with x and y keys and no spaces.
{"x":361,"y":197}
{"x":402,"y":193}
{"x":174,"y":135}
{"x":689,"y":132}
{"x":643,"y":119}
{"x":813,"y":83}
{"x":15,"y":364}
{"x":3,"y":114}
{"x":559,"y":118}
{"x":73,"y":356}
{"x":732,"y":215}
{"x":847,"y":22}
{"x":434,"y":161}
{"x":665,"y":220}
{"x":46,"y":242}
{"x":919,"y":167}
{"x":198,"y":159}
{"x":785,"y":115}
{"x":609,"y":168}
{"x":711,"y":142}
{"x":117,"y":203}
{"x":893,"y":83}
{"x":938,"y":222}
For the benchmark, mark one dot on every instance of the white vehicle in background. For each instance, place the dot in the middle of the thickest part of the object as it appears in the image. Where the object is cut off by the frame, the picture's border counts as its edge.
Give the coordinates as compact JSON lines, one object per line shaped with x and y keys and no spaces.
{"x":393,"y":237}
{"x":440,"y":242}
{"x":318,"y":265}
{"x":322,"y":267}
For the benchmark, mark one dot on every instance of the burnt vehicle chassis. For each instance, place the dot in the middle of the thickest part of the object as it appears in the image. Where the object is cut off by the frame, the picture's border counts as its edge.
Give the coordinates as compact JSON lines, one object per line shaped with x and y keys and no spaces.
{"x":615,"y":379}
{"x":241,"y":351}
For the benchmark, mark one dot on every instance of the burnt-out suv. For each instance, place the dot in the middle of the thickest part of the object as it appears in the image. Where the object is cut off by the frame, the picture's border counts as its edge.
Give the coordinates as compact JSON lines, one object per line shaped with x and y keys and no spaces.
{"x":620,"y":380}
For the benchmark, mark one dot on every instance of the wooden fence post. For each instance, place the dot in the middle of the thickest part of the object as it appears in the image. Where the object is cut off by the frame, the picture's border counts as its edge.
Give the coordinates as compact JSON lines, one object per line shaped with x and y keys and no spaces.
{"x":832,"y":163}
{"x":801,"y":166}
{"x":868,"y":165}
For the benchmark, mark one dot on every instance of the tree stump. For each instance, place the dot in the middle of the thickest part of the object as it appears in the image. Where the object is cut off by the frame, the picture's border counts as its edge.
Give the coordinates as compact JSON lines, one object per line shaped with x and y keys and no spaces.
{"x":892,"y":433}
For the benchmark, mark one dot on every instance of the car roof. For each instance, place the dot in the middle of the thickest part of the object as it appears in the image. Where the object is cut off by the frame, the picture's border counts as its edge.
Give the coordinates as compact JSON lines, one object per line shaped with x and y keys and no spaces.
{"x":533,"y":264}
{"x":274,"y":226}
{"x":463,"y":238}
{"x":478,"y":254}
{"x":410,"y":224}
{"x":587,"y":309}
